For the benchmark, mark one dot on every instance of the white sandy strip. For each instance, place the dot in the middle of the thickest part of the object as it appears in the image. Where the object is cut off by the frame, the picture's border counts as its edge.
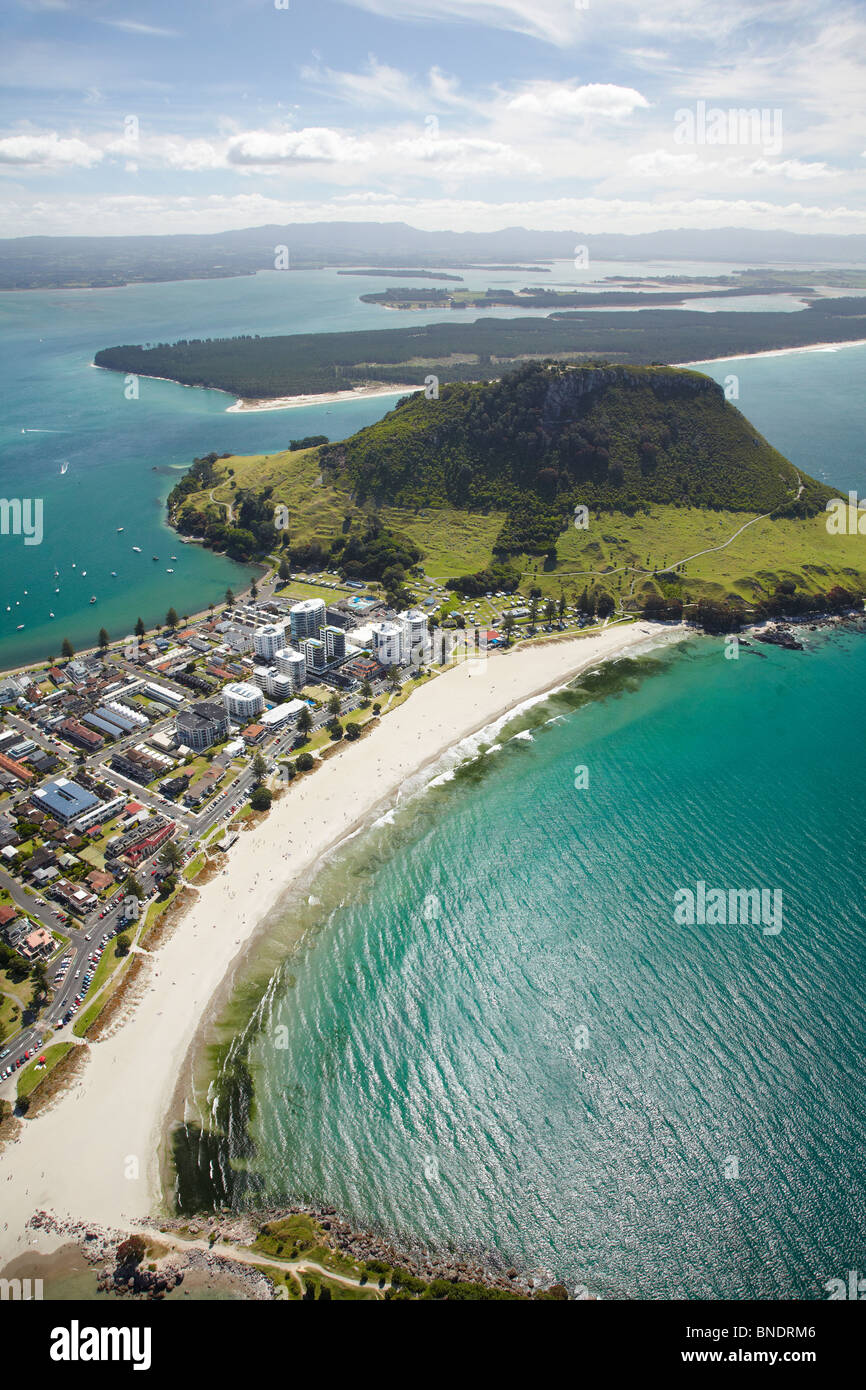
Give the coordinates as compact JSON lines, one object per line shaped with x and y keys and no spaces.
{"x":73,"y":1159}
{"x":360,"y":393}
{"x":777,"y":352}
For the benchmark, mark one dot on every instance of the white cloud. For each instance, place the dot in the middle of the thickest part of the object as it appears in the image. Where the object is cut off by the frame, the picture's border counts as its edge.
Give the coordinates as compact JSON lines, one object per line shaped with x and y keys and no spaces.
{"x":150,"y":214}
{"x":47,"y":150}
{"x":662,"y":163}
{"x":133,"y":26}
{"x":569,"y":101}
{"x":313,"y":145}
{"x":465,"y":156}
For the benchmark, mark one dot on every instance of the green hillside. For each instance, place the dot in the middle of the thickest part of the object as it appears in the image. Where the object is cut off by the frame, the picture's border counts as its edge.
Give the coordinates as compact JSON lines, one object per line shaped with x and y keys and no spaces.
{"x":684,"y":498}
{"x":549,"y":438}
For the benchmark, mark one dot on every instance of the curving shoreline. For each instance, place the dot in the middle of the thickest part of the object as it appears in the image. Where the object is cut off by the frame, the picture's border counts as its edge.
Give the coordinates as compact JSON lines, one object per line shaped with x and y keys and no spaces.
{"x":94,"y":1156}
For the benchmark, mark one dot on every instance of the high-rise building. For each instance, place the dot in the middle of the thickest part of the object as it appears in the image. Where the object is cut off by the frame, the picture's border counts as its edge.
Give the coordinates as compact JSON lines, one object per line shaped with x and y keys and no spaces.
{"x":293,"y":665}
{"x":416,"y":637}
{"x":314,"y":654}
{"x":388,"y":643}
{"x":274,"y":682}
{"x":242,"y":700}
{"x":202,"y":725}
{"x":268,"y":639}
{"x":306,"y":618}
{"x":335,"y":643}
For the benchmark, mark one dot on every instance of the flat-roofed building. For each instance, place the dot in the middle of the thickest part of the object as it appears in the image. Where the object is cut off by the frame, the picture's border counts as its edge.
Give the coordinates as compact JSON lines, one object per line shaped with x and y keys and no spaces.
{"x":314,"y":654}
{"x":202,"y":726}
{"x":243,"y":700}
{"x":293,"y":665}
{"x":335,"y":643}
{"x":306,"y":618}
{"x":268,"y":640}
{"x":63,"y":799}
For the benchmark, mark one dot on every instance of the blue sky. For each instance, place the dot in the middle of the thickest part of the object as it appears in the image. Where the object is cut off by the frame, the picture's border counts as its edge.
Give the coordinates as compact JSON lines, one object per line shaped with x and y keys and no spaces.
{"x":614,"y":115}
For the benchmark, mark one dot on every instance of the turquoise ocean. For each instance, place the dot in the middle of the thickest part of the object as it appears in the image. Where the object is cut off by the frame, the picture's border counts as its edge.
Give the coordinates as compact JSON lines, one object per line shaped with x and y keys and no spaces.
{"x":496,"y":1037}
{"x":494,"y":1034}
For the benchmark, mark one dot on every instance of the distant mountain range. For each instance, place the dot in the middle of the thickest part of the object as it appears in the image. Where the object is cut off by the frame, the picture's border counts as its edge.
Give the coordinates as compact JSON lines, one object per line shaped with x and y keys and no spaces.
{"x":43,"y":261}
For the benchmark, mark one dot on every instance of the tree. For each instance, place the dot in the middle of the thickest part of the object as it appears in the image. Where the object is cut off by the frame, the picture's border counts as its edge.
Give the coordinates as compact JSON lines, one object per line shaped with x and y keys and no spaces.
{"x":561,"y":606}
{"x":549,"y":610}
{"x":377,"y":708}
{"x":533,"y":613}
{"x":605,"y":605}
{"x":353,"y":731}
{"x":393,"y":679}
{"x":254,"y":589}
{"x":103,"y":639}
{"x":261,"y":799}
{"x":284,"y":570}
{"x":305,"y":720}
{"x":123,"y":944}
{"x":366,"y":693}
{"x":140,"y":629}
{"x":305,"y":762}
{"x":67,"y":649}
{"x":39,"y":976}
{"x":334,"y":704}
{"x":172,"y":855}
{"x":171,"y":618}
{"x":230,"y":599}
{"x":132,"y":887}
{"x":508,"y":623}
{"x":260,"y":767}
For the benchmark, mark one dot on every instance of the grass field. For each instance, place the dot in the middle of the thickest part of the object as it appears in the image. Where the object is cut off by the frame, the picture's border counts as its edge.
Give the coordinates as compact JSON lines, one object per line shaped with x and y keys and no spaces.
{"x":459,"y":542}
{"x":33,"y":1074}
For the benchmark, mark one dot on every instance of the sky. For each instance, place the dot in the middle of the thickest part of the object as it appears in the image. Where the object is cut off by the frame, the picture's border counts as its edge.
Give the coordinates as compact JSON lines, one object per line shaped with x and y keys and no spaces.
{"x":586,"y":115}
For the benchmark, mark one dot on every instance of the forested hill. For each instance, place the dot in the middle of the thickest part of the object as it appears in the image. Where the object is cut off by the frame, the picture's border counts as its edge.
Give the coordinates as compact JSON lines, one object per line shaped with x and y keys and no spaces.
{"x":313,"y":363}
{"x":549,"y":437}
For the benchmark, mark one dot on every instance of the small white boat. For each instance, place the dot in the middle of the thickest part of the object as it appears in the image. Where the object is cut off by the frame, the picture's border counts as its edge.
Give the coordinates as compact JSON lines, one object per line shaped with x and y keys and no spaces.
{"x":57,"y":591}
{"x":138,"y":548}
{"x":119,"y":529}
{"x":74,"y":565}
{"x":93,"y":598}
{"x":174,"y":557}
{"x":20,"y":627}
{"x":169,"y":571}
{"x":114,"y":574}
{"x":51,"y":615}
{"x":64,"y":466}
{"x":84,"y":574}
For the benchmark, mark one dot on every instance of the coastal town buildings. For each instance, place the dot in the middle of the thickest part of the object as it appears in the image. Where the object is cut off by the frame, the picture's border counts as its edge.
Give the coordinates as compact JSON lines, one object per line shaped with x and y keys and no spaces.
{"x":306,"y":619}
{"x":202,"y":726}
{"x":268,"y":640}
{"x":243,"y":700}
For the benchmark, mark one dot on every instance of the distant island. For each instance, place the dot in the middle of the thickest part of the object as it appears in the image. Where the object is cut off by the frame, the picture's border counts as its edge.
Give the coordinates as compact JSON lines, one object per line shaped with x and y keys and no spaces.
{"x":39,"y":262}
{"x":413,"y":274}
{"x":540,"y":297}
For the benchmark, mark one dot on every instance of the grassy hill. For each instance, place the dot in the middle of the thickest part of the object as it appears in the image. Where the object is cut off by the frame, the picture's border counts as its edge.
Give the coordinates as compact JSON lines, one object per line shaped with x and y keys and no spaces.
{"x":672,"y":475}
{"x":549,"y":438}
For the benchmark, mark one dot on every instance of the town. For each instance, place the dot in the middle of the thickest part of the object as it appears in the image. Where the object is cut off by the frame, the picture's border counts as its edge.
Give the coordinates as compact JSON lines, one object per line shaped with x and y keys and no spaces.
{"x":122,"y":770}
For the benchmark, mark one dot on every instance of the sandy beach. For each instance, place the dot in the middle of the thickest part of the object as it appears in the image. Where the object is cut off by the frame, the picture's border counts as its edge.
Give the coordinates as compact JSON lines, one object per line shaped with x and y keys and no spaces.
{"x":94,"y":1155}
{"x":358,"y":393}
{"x":777,"y":352}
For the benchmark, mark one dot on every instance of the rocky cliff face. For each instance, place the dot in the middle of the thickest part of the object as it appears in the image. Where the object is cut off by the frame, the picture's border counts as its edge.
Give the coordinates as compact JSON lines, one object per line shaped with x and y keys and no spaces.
{"x":571,"y":385}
